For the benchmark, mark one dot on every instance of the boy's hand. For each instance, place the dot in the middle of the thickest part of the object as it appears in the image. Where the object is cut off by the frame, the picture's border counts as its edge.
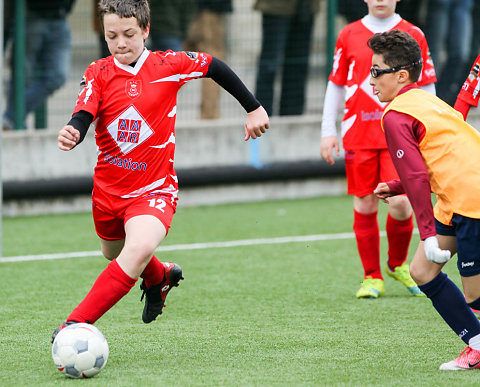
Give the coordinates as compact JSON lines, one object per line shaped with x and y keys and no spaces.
{"x":382,"y":192}
{"x":326,"y":146}
{"x":68,"y":137}
{"x":433,"y":251}
{"x":256,"y":124}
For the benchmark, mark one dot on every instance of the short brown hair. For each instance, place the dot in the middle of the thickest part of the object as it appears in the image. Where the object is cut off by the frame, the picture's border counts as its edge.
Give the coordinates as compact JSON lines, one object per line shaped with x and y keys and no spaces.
{"x":399,"y":49}
{"x":139,"y":9}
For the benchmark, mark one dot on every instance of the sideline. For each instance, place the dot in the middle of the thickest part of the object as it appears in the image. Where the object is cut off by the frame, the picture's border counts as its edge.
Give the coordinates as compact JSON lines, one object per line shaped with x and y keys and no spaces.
{"x":197,"y":246}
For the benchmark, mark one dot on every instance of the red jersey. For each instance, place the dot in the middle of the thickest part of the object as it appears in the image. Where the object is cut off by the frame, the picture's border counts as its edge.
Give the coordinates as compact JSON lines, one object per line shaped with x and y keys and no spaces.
{"x":361,"y":127}
{"x":134,"y":109}
{"x":471,"y":87}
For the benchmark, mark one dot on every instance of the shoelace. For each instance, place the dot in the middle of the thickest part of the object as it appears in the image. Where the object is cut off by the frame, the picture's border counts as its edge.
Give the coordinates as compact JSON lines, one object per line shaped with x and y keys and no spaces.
{"x":144,"y":291}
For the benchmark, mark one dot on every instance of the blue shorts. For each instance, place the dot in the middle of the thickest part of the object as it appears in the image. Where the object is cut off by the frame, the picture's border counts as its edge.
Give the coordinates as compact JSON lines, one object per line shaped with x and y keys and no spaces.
{"x":467,"y":231}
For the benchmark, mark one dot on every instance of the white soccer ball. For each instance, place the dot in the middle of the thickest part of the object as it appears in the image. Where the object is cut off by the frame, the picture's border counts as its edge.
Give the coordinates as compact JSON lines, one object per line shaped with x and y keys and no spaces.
{"x":80,"y":351}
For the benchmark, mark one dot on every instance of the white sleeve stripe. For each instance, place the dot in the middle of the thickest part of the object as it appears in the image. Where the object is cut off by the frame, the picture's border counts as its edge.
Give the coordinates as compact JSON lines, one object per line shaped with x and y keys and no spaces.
{"x":178,"y":77}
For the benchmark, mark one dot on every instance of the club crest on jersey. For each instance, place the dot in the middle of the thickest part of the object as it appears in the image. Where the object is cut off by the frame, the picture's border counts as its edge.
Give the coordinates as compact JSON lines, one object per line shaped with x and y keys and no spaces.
{"x":133,"y":88}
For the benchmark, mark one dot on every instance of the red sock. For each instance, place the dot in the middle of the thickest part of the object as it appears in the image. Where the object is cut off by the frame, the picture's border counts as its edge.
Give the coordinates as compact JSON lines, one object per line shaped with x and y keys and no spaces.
{"x":153,"y":273}
{"x":367,"y":234}
{"x":399,"y":234}
{"x":111,"y":285}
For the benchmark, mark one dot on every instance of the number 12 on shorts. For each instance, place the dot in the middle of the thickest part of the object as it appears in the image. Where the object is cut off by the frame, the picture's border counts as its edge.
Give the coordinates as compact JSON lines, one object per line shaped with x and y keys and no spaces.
{"x":159,"y":204}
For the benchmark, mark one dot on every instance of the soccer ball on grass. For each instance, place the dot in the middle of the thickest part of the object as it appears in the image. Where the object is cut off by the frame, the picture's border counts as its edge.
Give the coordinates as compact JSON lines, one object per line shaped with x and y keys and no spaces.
{"x":80,"y":351}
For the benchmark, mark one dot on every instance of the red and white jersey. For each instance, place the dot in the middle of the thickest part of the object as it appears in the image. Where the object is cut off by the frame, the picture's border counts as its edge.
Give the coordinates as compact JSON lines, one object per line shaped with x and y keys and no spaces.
{"x":351,"y":68}
{"x":134,"y":109}
{"x":470,"y":92}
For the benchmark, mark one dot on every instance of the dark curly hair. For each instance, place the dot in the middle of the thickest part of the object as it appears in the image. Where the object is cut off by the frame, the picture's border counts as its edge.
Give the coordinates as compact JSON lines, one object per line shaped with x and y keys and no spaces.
{"x":398,"y":49}
{"x":139,"y":9}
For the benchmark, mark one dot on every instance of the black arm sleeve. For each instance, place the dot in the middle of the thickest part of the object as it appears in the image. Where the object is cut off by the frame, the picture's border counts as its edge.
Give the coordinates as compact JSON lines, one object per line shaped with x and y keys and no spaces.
{"x":81,"y":121}
{"x":225,"y":77}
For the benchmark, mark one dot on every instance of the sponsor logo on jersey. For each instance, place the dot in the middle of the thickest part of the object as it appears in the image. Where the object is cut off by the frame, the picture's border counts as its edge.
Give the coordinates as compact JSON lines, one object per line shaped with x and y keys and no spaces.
{"x":83,"y":82}
{"x":133,"y":88}
{"x":400,"y":153}
{"x":467,"y":264}
{"x":129,"y":130}
{"x":192,"y":55}
{"x":125,"y":163}
{"x":83,"y":85}
{"x":372,"y":116}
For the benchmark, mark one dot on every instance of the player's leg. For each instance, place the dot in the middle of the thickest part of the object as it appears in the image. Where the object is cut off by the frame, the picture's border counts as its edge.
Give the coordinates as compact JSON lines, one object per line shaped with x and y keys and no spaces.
{"x":158,"y":277}
{"x":468,"y":247}
{"x":399,"y":228}
{"x":143,"y":234}
{"x":468,"y":263}
{"x":153,"y":273}
{"x":111,"y":248}
{"x":448,"y":299}
{"x":362,"y":169}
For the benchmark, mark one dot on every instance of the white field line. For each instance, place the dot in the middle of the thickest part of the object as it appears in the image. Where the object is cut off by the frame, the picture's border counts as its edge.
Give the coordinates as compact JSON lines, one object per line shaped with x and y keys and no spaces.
{"x":196,"y":246}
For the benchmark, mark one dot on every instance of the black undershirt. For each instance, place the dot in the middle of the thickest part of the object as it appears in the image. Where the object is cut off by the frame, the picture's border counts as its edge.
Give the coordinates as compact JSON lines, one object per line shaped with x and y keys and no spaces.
{"x":218,"y":71}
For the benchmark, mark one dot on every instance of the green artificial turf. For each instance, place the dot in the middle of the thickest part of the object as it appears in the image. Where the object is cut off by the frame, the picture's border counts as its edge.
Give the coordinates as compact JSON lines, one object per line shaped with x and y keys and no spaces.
{"x":253,"y":315}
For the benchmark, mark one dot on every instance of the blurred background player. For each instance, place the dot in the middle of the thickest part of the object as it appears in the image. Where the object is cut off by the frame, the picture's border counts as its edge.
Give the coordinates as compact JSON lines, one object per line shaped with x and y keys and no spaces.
{"x":132,"y":96}
{"x":448,"y":29}
{"x":47,"y":56}
{"x":440,"y":153}
{"x":469,"y":93}
{"x":287,"y":27}
{"x":207,"y":33}
{"x":170,"y":21}
{"x":367,"y":160}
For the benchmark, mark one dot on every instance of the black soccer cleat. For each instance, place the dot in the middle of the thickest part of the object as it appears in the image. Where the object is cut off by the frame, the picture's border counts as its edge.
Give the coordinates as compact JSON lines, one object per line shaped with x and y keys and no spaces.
{"x":62,"y":325}
{"x":155,"y":295}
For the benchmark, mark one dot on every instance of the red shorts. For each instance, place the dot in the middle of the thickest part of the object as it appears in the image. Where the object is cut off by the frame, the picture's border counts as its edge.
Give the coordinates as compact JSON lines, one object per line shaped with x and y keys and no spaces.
{"x":110,"y":216}
{"x":366,"y":168}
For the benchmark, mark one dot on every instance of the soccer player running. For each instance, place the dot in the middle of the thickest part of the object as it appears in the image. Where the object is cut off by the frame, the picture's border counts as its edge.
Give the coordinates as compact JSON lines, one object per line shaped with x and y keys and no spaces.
{"x":132,"y":96}
{"x":433,"y":150}
{"x":367,"y":160}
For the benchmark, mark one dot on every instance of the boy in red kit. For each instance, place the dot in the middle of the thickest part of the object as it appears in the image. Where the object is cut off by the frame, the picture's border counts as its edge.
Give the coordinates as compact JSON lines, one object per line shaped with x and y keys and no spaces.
{"x":131,"y":95}
{"x":469,"y":94}
{"x":367,"y":160}
{"x":433,"y":150}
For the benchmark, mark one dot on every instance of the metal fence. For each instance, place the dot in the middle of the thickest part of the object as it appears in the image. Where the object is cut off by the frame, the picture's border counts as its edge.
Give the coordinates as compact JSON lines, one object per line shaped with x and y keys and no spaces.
{"x":243,"y":42}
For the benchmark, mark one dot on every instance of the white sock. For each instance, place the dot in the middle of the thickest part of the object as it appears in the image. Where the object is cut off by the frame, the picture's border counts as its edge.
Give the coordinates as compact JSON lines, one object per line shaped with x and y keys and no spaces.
{"x":474,"y":342}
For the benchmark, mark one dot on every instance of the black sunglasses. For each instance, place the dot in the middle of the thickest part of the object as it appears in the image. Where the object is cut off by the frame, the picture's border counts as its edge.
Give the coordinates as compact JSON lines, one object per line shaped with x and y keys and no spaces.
{"x":375,"y":72}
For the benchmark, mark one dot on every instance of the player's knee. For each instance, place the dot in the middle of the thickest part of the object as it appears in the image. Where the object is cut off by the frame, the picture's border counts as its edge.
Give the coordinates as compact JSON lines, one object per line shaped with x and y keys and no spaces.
{"x":366,"y":204}
{"x":109,"y":254}
{"x":420,"y":273}
{"x":400,"y":206}
{"x":141,"y":250}
{"x":415,"y":273}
